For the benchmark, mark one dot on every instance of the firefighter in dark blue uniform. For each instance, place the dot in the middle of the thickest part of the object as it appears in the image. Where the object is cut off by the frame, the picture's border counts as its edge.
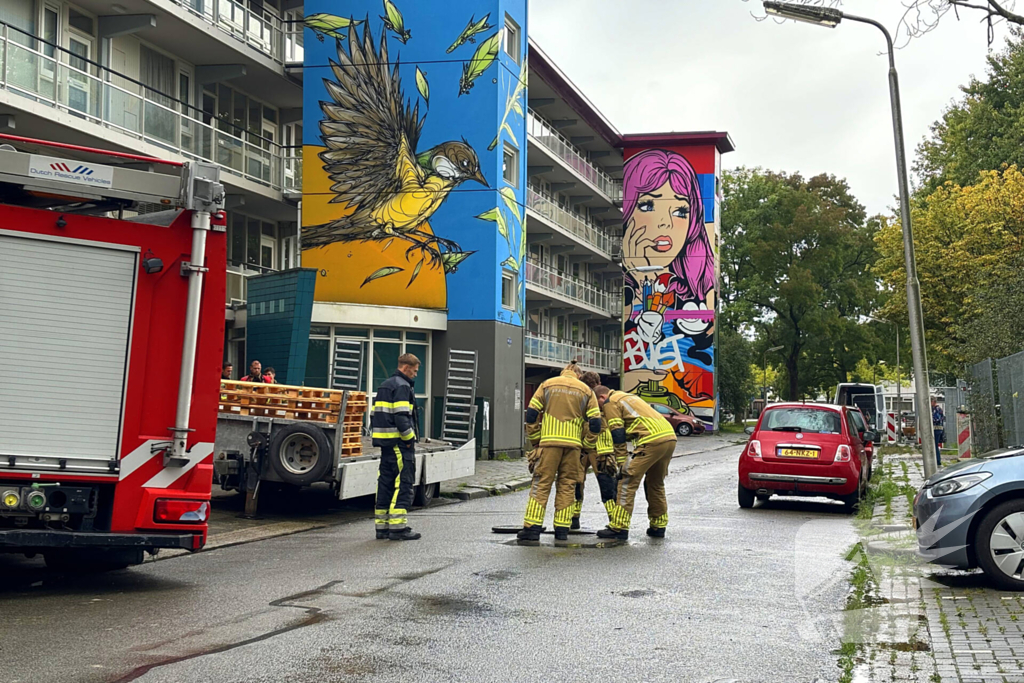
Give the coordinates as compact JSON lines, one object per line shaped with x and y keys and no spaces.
{"x":393,"y":427}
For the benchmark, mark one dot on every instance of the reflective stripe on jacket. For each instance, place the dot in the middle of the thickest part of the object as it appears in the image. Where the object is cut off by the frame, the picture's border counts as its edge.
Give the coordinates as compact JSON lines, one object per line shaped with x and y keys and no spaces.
{"x":394,"y":412}
{"x":565,"y":406}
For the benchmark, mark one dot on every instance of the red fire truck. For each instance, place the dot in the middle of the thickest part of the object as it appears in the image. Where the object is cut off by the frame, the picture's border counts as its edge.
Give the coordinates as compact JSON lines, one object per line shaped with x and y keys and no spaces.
{"x":111,"y":339}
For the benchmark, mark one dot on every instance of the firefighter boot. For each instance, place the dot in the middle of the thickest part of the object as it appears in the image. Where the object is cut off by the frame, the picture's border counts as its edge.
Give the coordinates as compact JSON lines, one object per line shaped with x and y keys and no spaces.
{"x":575,"y":524}
{"x":561,"y":533}
{"x":529,"y":533}
{"x":405,"y":534}
{"x":611,"y":532}
{"x":656,"y":532}
{"x":382,"y":534}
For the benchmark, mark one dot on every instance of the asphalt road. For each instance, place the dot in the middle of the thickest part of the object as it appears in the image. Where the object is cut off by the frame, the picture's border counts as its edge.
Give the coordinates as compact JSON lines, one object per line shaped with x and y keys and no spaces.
{"x":751,"y":595}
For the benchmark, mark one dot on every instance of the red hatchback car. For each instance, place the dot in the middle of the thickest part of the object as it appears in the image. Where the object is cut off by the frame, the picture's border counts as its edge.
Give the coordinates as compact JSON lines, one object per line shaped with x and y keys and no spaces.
{"x":807,"y":449}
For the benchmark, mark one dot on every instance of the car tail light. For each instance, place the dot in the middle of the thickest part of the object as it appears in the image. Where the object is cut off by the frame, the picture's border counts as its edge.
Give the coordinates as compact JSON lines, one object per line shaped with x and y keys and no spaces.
{"x":754,"y":448}
{"x":844,"y":453}
{"x":170,"y":511}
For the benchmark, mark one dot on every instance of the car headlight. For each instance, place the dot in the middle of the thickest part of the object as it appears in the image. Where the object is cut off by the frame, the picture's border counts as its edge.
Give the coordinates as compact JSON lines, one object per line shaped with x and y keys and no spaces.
{"x":959,"y":484}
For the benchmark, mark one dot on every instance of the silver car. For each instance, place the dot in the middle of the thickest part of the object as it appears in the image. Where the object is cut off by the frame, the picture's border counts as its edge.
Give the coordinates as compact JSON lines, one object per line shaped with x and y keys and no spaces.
{"x":971,"y":515}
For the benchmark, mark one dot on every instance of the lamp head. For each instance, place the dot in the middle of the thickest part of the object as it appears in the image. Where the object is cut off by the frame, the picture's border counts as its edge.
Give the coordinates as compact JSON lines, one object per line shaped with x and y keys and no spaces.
{"x":822,"y":16}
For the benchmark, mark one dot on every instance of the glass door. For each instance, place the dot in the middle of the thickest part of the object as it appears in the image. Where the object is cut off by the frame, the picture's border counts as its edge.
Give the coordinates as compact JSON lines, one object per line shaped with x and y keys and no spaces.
{"x":79,"y":87}
{"x":48,"y":67}
{"x":187,"y":127}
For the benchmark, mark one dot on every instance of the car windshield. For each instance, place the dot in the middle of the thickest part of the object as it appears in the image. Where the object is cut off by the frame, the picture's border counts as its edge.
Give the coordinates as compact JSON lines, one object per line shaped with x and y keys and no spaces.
{"x":812,"y":420}
{"x":661,"y":408}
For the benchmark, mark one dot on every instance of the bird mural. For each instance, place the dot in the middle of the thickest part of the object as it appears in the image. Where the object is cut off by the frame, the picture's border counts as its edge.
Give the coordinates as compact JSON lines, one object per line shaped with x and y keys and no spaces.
{"x":371,"y":134}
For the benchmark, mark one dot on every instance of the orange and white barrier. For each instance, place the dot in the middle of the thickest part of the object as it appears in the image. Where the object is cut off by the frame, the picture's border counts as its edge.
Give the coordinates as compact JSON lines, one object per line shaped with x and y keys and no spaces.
{"x":963,"y":435}
{"x":891,"y":428}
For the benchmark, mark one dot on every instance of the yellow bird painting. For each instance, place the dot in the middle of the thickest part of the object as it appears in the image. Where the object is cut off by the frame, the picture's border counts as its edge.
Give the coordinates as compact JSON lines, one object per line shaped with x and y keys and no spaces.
{"x":371,"y":134}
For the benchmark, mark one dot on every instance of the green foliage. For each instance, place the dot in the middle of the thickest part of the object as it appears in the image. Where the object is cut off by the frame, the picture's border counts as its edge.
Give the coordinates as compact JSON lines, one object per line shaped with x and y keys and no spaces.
{"x":796,"y":256}
{"x":982,"y":132}
{"x":970,"y":262}
{"x":735,"y":381}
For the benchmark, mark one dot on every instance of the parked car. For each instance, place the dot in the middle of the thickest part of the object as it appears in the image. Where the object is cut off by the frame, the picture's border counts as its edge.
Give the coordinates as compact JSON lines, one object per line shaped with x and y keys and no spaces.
{"x":870,"y":398}
{"x":806,"y":449}
{"x":971,"y":515}
{"x":685,"y":424}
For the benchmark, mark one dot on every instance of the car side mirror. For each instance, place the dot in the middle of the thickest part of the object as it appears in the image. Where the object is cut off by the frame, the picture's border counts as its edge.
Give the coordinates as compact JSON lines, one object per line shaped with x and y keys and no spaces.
{"x":748,"y":430}
{"x":869,"y":436}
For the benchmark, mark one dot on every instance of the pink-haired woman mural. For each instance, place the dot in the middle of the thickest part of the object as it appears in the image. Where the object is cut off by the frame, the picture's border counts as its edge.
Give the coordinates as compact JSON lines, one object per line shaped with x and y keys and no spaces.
{"x":670,"y":276}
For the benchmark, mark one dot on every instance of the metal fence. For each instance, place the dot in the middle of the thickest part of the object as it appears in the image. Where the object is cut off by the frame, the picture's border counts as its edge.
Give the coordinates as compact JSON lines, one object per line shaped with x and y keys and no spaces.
{"x":997,"y":403}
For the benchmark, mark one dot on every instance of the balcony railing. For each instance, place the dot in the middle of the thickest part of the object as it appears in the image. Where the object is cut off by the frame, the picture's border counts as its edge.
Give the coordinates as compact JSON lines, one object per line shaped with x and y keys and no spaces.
{"x":54,"y":77}
{"x":263,"y":31}
{"x":544,"y":134}
{"x":570,"y":222}
{"x":551,"y":349}
{"x":546,"y":279}
{"x":237,"y":289}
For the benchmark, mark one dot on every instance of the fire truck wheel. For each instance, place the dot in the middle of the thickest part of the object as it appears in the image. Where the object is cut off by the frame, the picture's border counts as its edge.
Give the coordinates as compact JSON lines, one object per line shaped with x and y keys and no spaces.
{"x":300,"y":454}
{"x":91,"y":561}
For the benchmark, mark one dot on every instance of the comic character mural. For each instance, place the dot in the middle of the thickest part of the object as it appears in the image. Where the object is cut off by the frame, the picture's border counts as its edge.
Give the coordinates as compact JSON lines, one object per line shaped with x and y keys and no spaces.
{"x":670,"y":274}
{"x":404,"y":199}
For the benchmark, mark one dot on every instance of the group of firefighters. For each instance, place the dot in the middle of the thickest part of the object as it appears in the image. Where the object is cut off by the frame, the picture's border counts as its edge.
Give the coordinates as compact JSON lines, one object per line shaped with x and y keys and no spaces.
{"x":573,"y":424}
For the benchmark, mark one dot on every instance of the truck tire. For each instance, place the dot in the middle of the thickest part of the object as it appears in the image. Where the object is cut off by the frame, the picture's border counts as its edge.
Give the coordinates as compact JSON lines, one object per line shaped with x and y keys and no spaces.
{"x":300,"y":454}
{"x":425,"y":493}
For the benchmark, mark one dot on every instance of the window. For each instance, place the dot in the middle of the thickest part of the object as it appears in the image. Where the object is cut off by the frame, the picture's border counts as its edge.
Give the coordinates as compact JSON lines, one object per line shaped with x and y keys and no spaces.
{"x":510,"y":165}
{"x":801,"y":420}
{"x":508,"y":290}
{"x":511,"y":39}
{"x":663,"y":409}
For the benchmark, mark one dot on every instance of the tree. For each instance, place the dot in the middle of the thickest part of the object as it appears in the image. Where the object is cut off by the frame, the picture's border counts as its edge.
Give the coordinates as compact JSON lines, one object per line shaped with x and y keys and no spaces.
{"x":970,"y":261}
{"x":982,"y":132}
{"x":795,"y":261}
{"x":735,"y":382}
{"x":923,"y":16}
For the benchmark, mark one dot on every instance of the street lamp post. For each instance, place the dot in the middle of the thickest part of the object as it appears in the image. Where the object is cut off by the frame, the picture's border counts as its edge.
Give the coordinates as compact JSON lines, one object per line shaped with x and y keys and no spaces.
{"x":830,"y":17}
{"x":764,"y":379}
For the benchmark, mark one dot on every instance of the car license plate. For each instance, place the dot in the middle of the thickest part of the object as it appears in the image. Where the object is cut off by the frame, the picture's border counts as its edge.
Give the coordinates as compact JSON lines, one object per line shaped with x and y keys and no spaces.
{"x":797,"y":453}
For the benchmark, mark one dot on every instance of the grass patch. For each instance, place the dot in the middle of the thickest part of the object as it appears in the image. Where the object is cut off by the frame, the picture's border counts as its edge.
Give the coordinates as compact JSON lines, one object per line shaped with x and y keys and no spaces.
{"x":731,"y":428}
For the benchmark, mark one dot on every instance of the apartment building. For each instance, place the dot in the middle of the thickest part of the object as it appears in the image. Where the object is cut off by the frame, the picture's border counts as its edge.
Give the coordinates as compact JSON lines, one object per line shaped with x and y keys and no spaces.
{"x":224,"y":81}
{"x":217,"y":80}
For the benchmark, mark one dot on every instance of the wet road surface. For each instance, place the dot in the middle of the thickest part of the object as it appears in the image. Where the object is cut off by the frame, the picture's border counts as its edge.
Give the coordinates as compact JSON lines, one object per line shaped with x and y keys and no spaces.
{"x":738,"y":594}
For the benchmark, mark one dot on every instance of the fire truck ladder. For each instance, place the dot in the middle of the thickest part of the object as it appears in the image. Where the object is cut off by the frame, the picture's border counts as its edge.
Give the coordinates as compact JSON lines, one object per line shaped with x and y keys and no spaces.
{"x":457,"y":421}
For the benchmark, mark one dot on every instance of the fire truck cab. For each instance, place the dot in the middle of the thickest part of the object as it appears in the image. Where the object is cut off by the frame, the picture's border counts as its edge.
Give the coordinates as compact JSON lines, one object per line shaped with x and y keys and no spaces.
{"x":111,"y":339}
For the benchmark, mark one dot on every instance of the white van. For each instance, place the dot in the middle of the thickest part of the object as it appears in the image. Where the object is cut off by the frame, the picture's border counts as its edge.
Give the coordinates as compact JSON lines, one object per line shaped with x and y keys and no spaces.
{"x":869,"y":398}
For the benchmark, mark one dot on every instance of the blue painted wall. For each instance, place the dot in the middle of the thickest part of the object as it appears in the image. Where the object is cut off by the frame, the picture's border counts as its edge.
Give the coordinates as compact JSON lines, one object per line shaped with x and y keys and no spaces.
{"x":279,"y":309}
{"x":486,"y":116}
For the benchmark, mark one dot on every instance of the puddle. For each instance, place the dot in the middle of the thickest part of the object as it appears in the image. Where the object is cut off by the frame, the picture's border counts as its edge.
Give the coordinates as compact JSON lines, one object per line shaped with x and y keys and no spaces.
{"x":641,"y":593}
{"x":498,"y":575}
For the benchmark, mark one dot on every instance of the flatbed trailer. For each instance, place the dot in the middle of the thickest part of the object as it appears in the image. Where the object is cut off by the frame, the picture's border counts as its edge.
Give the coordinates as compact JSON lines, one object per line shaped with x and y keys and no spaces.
{"x":251,"y":451}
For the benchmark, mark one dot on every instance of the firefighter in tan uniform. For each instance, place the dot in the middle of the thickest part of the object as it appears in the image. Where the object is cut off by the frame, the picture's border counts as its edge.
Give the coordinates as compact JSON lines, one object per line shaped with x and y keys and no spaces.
{"x":631,"y":418}
{"x":563,"y":407}
{"x":600,"y":459}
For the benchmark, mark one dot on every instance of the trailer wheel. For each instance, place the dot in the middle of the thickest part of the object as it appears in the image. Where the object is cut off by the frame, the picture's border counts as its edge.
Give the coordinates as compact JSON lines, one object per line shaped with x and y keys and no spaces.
{"x":300,"y":454}
{"x":425,"y":493}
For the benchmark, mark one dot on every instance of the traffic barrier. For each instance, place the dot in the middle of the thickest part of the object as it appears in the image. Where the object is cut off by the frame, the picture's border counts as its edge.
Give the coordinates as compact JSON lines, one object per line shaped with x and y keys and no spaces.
{"x":963,"y":423}
{"x":891,"y":428}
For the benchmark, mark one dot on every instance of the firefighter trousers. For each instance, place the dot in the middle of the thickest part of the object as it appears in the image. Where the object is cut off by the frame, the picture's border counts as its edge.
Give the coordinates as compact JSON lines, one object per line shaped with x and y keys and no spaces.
{"x":558,"y":467}
{"x":647,"y":465}
{"x":605,"y":484}
{"x":396,"y":477}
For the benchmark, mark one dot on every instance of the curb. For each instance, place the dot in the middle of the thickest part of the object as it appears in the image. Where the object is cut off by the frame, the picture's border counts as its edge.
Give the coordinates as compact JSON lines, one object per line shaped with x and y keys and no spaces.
{"x":887,"y":546}
{"x":470,"y":493}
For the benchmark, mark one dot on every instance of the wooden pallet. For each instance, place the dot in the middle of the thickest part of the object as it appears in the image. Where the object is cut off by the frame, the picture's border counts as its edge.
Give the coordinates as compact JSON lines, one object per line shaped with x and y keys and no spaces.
{"x":292,"y":403}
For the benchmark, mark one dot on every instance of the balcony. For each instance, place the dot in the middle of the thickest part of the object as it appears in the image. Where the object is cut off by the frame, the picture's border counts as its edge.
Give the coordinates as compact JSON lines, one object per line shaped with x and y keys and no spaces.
{"x":575,"y":225}
{"x":545,"y":136}
{"x":67,"y":83}
{"x":551,"y":351}
{"x":263,"y":31}
{"x":237,"y":284}
{"x":568,"y":289}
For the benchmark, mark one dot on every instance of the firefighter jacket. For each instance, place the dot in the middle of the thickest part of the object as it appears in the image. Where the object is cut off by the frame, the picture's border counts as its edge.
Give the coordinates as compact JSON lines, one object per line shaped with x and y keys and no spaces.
{"x":631,"y":418}
{"x":394,"y":412}
{"x":563,"y":405}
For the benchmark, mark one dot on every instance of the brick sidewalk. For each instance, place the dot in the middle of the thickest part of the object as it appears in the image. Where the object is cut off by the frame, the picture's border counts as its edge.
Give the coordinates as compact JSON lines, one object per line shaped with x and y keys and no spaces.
{"x":927,"y":623}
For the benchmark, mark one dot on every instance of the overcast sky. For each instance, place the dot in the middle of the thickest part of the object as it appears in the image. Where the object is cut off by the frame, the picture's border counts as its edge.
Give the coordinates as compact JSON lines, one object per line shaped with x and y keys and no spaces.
{"x":794,"y":97}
